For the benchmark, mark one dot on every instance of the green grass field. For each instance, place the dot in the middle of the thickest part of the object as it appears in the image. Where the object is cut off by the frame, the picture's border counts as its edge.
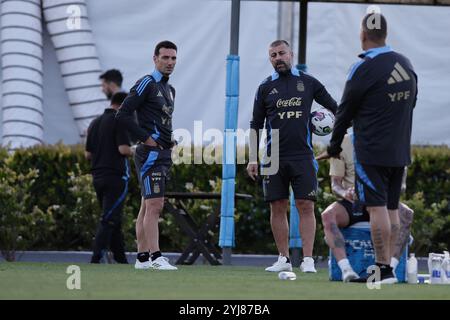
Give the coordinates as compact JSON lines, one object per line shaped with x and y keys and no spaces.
{"x":48,"y":281}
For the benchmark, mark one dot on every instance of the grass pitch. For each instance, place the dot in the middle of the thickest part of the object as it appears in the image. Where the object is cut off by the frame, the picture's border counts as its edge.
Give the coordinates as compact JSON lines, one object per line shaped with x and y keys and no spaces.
{"x":48,"y":281}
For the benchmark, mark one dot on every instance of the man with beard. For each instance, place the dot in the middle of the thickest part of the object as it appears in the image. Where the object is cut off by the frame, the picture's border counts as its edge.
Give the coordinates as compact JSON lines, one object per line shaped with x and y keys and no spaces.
{"x":111,"y":82}
{"x":283,"y":101}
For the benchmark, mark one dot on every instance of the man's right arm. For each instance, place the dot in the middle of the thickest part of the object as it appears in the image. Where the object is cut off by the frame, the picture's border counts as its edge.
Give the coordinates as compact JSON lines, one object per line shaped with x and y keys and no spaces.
{"x":125,"y":115}
{"x":256,"y":124}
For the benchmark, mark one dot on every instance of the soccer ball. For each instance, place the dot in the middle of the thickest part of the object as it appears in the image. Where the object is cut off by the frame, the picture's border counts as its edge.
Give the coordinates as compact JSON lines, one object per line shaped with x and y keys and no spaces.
{"x":322,"y":121}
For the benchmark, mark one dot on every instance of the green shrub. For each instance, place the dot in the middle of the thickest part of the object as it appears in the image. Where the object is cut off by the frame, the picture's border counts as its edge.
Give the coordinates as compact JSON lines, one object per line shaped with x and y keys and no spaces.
{"x":21,"y":223}
{"x":430,"y":225}
{"x":83,"y":216}
{"x":54,"y":164}
{"x":430,"y":173}
{"x":64,"y":194}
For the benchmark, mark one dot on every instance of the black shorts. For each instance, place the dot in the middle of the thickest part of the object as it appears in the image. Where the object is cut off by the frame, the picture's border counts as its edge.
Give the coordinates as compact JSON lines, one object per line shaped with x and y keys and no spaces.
{"x":301,"y":175}
{"x":357,"y":212}
{"x":152,"y":167}
{"x":378,"y":186}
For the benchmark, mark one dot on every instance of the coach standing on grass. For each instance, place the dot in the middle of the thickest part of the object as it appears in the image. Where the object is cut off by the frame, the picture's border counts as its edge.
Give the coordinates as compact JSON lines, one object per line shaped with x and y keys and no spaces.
{"x":153,"y":100}
{"x":379,"y":97}
{"x":284,"y":102}
{"x":107,"y":146}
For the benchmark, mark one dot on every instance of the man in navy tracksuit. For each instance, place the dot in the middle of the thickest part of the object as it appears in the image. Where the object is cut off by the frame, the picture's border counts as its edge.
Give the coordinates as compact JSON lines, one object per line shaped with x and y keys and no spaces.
{"x":153,"y":100}
{"x":107,"y":146}
{"x":283,"y":101}
{"x":379,"y":97}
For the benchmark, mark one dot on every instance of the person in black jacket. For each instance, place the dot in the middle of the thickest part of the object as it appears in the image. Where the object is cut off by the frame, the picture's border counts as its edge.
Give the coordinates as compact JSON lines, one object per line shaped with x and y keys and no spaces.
{"x":379,"y":97}
{"x":283,"y":101}
{"x":107,"y":146}
{"x":152,"y":97}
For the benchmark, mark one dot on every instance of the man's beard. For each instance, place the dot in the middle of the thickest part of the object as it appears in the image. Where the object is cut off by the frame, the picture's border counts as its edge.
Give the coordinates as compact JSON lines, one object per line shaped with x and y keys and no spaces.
{"x":109,"y":95}
{"x":282,"y":67}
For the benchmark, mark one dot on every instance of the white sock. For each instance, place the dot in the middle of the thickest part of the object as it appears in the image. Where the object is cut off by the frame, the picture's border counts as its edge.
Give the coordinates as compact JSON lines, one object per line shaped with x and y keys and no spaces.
{"x":344,"y":264}
{"x":394,"y":263}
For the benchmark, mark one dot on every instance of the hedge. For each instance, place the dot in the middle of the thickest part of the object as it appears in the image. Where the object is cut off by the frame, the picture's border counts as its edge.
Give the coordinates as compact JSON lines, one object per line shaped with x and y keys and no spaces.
{"x":60,"y":210}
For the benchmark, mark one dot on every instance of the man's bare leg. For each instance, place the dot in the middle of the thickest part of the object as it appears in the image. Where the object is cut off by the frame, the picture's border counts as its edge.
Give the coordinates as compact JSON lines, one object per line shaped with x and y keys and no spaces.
{"x":280,"y":225}
{"x":280,"y":230}
{"x":334,"y":217}
{"x":395,"y":232}
{"x":307,"y":232}
{"x":142,"y":244}
{"x":406,"y":217}
{"x":380,"y":226}
{"x":153,"y":208}
{"x":307,"y":225}
{"x":143,"y":255}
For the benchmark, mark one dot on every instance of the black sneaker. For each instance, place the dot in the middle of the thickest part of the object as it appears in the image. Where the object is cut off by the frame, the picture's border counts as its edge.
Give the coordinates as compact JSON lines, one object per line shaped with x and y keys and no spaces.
{"x":359,"y":280}
{"x":95,"y":260}
{"x":387,"y":276}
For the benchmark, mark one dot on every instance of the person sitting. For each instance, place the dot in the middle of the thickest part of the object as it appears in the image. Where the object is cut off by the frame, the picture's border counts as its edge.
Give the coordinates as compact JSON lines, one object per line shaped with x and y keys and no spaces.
{"x":348,"y":211}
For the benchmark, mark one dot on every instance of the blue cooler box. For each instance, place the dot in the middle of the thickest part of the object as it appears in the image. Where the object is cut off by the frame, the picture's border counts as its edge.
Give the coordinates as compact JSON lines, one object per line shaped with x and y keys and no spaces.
{"x":360,"y":253}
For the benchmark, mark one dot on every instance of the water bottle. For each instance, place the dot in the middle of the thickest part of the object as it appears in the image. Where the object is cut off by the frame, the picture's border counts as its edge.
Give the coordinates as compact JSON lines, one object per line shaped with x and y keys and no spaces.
{"x":412,"y":269}
{"x":287,"y":275}
{"x":435,"y":276}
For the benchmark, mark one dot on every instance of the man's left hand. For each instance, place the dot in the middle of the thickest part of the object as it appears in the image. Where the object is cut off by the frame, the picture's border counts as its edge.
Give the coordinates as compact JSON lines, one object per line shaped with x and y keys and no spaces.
{"x":323,"y":156}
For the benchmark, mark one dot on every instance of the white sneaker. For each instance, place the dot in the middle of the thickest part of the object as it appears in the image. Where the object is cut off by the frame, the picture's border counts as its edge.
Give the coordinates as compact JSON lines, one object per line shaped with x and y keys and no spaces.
{"x":349,"y":274}
{"x":142,"y":265}
{"x":308,"y":265}
{"x":162,"y":263}
{"x":280,"y":265}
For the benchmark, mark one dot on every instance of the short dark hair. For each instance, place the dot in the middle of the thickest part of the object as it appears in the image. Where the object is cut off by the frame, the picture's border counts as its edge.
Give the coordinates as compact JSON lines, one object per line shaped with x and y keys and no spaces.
{"x":118,"y":98}
{"x":277,"y":43}
{"x":112,"y":75}
{"x":165,"y":44}
{"x":375,"y":25}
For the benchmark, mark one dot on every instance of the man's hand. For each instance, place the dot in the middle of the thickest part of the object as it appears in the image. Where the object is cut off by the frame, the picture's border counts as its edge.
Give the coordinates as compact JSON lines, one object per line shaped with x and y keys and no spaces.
{"x":133,"y":149}
{"x":350,"y":194}
{"x":323,"y":156}
{"x":150,"y":142}
{"x":252,"y":170}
